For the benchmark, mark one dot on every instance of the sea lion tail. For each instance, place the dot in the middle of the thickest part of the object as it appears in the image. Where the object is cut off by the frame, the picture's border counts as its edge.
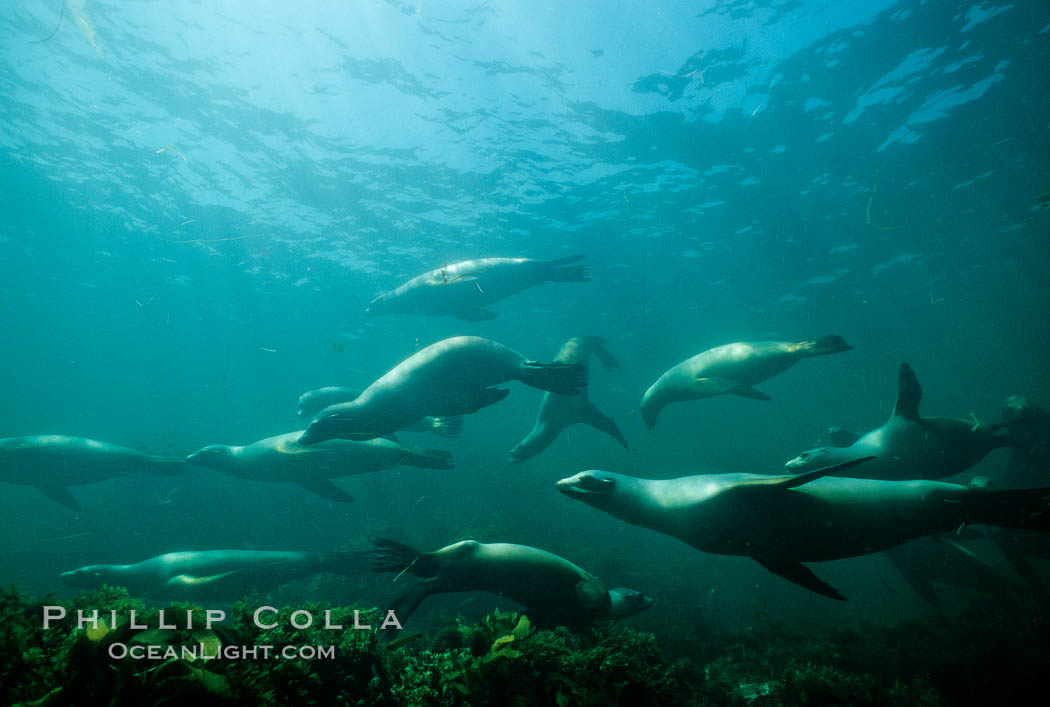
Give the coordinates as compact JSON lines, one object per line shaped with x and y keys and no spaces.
{"x":392,"y":556}
{"x":562,"y":378}
{"x":821,"y":347}
{"x":447,"y":426}
{"x":428,"y":458}
{"x":566,"y":269}
{"x":1027,"y":509}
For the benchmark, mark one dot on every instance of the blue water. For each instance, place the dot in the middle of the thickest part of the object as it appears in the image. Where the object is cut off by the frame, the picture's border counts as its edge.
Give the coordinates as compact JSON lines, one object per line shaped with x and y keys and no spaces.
{"x":199,"y":200}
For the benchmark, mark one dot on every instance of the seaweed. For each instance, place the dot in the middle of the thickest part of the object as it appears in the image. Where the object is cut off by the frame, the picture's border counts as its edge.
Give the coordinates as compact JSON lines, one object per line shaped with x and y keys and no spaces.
{"x":984,"y":655}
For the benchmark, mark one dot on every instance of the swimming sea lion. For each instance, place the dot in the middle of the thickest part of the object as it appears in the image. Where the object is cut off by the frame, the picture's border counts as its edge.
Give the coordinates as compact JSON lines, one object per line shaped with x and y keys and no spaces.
{"x":556,"y":591}
{"x":454,"y":376}
{"x":463,"y":290}
{"x":560,"y":411}
{"x":783,"y":521}
{"x":213,"y":574}
{"x":51,"y":463}
{"x":909,"y":446}
{"x":733,"y":368}
{"x":314,"y":401}
{"x":940,"y":559}
{"x":282,"y":458}
{"x":1029,"y":425}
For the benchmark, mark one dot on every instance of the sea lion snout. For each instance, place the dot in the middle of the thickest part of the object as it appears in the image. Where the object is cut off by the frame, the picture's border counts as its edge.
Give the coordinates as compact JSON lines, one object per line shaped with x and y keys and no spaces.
{"x":587,"y":483}
{"x":809,"y":459}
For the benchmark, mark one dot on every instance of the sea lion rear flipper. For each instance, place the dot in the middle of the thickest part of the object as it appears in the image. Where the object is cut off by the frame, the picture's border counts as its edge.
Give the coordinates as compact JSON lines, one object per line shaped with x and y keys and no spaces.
{"x":803,"y":576}
{"x":909,"y":394}
{"x":326,"y":489}
{"x":748,"y":392}
{"x":590,"y":415}
{"x":561,"y":378}
{"x":474,"y":314}
{"x":61,"y":494}
{"x":565,"y":269}
{"x":447,"y":426}
{"x":392,"y":556}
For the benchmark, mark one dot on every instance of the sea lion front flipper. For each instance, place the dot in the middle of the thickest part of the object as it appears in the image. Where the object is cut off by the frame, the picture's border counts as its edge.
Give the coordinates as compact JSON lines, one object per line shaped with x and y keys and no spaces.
{"x":714,"y":385}
{"x":476,"y":400}
{"x":803,"y":576}
{"x":189,"y":581}
{"x":909,"y":394}
{"x":405,"y":604}
{"x":920,"y":584}
{"x":325,"y":488}
{"x":745,"y":391}
{"x":475,"y":314}
{"x":591,"y":415}
{"x":790,"y":482}
{"x":61,"y":494}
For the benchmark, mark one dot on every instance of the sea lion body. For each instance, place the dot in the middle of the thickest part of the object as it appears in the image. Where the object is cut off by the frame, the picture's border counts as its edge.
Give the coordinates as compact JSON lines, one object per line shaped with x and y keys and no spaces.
{"x":451,"y":377}
{"x":732,"y":368}
{"x":463,"y":290}
{"x":909,"y":446}
{"x":211,"y":573}
{"x":784,"y":521}
{"x":557,"y":412}
{"x":51,"y":463}
{"x":314,"y":401}
{"x":282,"y":458}
{"x":554,"y":589}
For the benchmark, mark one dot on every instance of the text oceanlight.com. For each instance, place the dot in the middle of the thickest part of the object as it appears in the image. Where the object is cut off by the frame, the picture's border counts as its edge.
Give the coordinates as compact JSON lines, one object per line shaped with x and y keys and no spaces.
{"x":121,"y":651}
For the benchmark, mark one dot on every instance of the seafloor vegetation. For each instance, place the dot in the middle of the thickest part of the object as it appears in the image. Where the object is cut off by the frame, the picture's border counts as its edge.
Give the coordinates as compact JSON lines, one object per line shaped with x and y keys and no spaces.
{"x":984,"y":656}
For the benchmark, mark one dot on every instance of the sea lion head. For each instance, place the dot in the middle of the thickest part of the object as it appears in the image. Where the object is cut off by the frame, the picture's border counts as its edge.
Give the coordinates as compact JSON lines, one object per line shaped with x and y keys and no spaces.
{"x":88,"y":577}
{"x":343,"y":421}
{"x":650,"y":408}
{"x":214,"y":456}
{"x":1018,"y":407}
{"x":589,"y":486}
{"x":627,"y":602}
{"x":380,"y":305}
{"x":810,"y":459}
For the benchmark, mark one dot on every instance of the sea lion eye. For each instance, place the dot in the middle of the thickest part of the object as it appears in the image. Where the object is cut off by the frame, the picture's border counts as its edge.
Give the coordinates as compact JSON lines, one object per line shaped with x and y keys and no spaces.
{"x":598,"y":483}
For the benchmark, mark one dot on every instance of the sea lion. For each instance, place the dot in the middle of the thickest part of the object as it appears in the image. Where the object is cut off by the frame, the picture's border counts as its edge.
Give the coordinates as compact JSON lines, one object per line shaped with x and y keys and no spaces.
{"x":213,"y":574}
{"x":733,"y":368}
{"x":909,"y":446}
{"x":554,"y":590}
{"x":314,"y":401}
{"x":463,"y":290}
{"x":560,"y":411}
{"x":454,"y":376}
{"x":940,"y":559}
{"x":51,"y":463}
{"x":1029,"y":425}
{"x":282,"y":458}
{"x":783,"y":521}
